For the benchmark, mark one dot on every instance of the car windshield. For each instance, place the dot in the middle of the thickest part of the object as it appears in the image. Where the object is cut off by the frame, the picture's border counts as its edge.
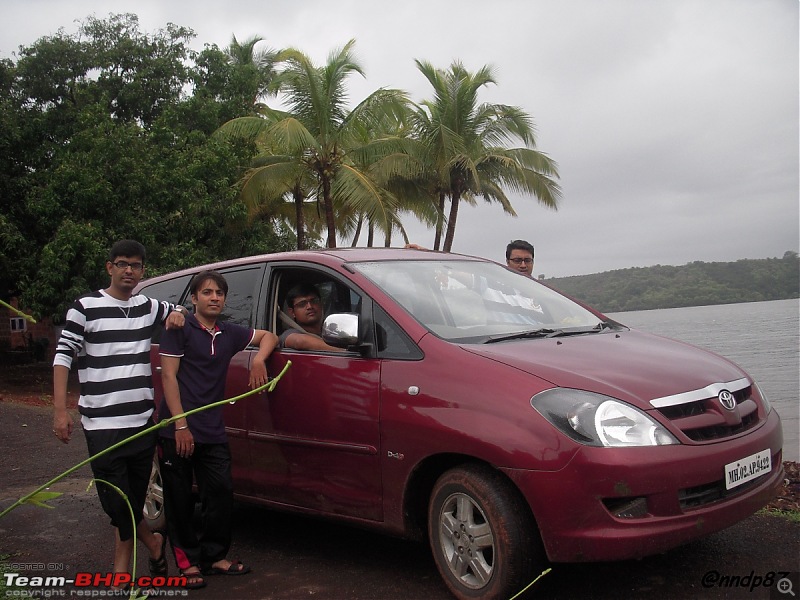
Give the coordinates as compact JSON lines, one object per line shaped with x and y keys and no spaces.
{"x":479,"y":302}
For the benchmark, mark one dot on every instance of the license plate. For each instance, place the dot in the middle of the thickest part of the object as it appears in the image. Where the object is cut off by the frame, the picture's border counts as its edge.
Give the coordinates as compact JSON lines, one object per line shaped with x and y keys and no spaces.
{"x":747,"y":469}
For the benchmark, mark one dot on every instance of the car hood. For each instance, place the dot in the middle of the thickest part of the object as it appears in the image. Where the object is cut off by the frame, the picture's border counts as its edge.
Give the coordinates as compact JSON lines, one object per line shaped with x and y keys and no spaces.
{"x":629,"y":365}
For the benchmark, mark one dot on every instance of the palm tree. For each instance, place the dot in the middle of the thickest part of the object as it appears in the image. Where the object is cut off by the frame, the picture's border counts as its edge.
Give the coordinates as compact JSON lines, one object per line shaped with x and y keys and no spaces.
{"x":322,"y":136}
{"x":269,"y":182}
{"x":387,"y":153}
{"x":327,"y":133}
{"x":463,"y":145}
{"x":262,"y":61}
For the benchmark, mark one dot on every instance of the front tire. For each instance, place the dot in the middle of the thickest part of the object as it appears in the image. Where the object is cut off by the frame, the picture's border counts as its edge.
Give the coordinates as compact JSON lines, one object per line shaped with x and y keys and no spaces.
{"x":482,"y":535}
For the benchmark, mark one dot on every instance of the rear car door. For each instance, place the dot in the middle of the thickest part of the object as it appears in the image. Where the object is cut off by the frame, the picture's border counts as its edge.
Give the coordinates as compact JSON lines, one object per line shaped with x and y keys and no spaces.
{"x":243,"y":282}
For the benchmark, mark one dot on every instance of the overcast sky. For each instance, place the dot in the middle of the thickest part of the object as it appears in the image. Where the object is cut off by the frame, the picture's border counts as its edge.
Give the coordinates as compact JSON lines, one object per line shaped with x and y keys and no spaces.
{"x":674,"y":122}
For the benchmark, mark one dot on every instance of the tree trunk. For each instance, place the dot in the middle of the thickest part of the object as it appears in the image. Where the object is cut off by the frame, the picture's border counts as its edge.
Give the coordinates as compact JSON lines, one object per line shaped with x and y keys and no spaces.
{"x":370,"y":235}
{"x":451,"y":221}
{"x":437,"y":240}
{"x":329,"y":219}
{"x":357,"y":234}
{"x":300,"y":220}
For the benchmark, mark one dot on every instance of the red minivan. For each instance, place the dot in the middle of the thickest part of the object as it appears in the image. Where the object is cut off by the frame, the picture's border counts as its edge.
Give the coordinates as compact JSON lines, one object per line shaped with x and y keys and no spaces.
{"x":487,"y":413}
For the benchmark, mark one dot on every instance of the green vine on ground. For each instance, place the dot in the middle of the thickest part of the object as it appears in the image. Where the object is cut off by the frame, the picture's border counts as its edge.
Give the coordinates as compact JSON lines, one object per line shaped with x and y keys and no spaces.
{"x":527,"y":587}
{"x":40,"y":496}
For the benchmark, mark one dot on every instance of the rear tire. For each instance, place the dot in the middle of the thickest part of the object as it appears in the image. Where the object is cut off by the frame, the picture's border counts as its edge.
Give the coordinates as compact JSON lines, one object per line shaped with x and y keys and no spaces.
{"x":154,"y":500}
{"x":482,"y":535}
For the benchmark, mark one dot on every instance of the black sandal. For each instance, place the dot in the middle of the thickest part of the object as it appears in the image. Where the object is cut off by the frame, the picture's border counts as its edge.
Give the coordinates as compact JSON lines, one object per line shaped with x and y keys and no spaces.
{"x":235,"y":568}
{"x":194,"y":581}
{"x":158,"y":566}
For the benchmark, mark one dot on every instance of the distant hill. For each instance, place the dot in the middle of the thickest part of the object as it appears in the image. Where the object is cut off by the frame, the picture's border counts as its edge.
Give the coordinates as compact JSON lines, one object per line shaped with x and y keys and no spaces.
{"x":695,"y":284}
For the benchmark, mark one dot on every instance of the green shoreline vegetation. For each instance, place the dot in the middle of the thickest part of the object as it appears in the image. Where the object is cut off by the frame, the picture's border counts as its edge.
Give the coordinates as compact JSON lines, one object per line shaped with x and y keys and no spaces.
{"x":694,"y":284}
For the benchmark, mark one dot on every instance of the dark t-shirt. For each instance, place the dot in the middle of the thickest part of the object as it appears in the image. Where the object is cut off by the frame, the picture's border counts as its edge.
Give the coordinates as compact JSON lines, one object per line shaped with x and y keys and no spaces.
{"x":286,"y":334}
{"x":202,"y":373}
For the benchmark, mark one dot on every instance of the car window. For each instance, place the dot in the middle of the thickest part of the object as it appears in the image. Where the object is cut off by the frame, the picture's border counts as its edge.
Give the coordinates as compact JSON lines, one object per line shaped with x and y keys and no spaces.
{"x":171,"y":290}
{"x":337,"y":298}
{"x":392,"y":341}
{"x":337,"y":295}
{"x":241,"y":293}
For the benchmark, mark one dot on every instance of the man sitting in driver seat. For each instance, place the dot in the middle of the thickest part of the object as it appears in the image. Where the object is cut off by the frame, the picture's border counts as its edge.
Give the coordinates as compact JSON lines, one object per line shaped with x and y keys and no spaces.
{"x":304,"y":306}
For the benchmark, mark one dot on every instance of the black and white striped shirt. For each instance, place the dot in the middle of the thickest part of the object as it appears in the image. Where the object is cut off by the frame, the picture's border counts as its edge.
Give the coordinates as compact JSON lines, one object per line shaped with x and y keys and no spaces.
{"x":111,"y":339}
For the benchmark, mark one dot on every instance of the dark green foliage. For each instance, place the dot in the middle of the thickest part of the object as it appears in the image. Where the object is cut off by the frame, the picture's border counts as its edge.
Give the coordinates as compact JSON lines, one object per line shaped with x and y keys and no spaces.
{"x":105,"y":135}
{"x":695,"y":284}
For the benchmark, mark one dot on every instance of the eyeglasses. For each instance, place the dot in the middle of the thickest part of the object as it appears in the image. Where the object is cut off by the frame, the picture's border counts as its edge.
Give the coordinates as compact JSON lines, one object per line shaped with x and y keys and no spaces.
{"x":124,"y":264}
{"x":304,"y":303}
{"x":519,"y":261}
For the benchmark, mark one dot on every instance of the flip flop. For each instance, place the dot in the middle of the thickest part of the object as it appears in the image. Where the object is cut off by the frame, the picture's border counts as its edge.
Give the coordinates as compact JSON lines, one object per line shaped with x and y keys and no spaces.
{"x":158,"y":566}
{"x":194,"y":581}
{"x":235,"y":568}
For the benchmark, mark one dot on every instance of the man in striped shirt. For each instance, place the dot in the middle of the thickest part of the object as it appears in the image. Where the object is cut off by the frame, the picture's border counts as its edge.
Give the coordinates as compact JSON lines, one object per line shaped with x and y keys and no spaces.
{"x":109,"y":331}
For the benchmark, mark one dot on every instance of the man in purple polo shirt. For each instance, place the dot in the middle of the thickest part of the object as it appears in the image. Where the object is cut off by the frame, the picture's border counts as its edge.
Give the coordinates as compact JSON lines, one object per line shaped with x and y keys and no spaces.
{"x":194,"y":367}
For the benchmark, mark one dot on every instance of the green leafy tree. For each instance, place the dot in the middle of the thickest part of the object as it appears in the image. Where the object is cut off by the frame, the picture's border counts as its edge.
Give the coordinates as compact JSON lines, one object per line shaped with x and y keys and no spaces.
{"x":105,"y":143}
{"x":15,"y":152}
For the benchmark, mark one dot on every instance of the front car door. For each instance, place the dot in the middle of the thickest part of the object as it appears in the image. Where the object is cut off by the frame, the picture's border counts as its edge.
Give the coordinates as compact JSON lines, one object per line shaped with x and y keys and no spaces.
{"x":314,"y":441}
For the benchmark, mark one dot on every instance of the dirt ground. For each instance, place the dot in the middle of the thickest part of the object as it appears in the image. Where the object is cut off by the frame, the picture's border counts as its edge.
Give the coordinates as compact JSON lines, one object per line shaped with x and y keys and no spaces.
{"x":297,"y":557}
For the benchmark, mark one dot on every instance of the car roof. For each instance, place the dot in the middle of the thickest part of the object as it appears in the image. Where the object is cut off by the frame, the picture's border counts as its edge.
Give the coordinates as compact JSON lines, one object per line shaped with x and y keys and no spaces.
{"x":325,"y":256}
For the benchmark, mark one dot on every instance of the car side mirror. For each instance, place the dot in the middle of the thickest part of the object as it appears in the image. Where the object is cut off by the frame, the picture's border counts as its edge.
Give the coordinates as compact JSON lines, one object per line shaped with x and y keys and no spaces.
{"x":341,"y":330}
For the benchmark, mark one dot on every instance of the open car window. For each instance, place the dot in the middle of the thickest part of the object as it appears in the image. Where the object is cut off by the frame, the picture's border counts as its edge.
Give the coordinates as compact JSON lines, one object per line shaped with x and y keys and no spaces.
{"x":335,"y":294}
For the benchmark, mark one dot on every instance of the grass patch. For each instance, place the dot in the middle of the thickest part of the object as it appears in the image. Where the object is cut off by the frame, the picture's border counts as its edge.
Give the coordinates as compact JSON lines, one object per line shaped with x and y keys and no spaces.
{"x":5,"y":567}
{"x":791,"y":515}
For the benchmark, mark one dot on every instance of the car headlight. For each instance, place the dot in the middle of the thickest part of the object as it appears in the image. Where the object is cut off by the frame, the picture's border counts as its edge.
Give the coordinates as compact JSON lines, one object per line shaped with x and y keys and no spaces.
{"x":764,"y":399}
{"x":597,"y":420}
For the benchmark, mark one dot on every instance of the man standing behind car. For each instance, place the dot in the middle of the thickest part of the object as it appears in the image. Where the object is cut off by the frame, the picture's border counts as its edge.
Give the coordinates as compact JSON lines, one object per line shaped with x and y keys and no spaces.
{"x":194,"y":368}
{"x":519,"y":257}
{"x":110,"y":332}
{"x":304,"y":306}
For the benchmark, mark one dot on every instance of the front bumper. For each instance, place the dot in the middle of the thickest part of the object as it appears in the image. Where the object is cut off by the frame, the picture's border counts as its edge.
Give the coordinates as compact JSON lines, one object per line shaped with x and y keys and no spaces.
{"x":576,"y":508}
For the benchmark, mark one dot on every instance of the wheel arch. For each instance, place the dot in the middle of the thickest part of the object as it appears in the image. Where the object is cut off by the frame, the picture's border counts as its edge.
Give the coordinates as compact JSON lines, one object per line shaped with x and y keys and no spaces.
{"x":419,"y":488}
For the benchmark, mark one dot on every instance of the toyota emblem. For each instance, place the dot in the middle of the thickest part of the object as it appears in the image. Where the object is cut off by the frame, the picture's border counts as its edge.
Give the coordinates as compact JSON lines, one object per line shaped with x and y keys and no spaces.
{"x":727,"y":400}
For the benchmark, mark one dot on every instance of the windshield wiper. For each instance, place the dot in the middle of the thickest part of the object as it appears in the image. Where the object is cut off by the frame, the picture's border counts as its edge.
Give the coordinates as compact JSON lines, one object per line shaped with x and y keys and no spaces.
{"x":534,"y":333}
{"x":545,"y":332}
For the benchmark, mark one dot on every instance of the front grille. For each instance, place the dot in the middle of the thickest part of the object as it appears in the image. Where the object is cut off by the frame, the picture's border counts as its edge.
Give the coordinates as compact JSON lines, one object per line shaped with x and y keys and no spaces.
{"x":701,"y":416}
{"x":704,"y":494}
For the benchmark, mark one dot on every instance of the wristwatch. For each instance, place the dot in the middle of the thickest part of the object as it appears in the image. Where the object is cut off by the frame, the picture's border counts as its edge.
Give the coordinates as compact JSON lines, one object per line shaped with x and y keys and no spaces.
{"x":181,"y":309}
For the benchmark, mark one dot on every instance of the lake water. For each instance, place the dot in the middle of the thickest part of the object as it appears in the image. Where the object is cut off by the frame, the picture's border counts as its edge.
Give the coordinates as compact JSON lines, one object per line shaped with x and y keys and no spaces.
{"x":761,"y":337}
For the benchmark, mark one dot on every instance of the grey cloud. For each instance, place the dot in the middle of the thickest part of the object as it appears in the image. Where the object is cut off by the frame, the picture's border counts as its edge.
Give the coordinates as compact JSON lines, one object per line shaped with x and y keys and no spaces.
{"x":675,"y":124}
